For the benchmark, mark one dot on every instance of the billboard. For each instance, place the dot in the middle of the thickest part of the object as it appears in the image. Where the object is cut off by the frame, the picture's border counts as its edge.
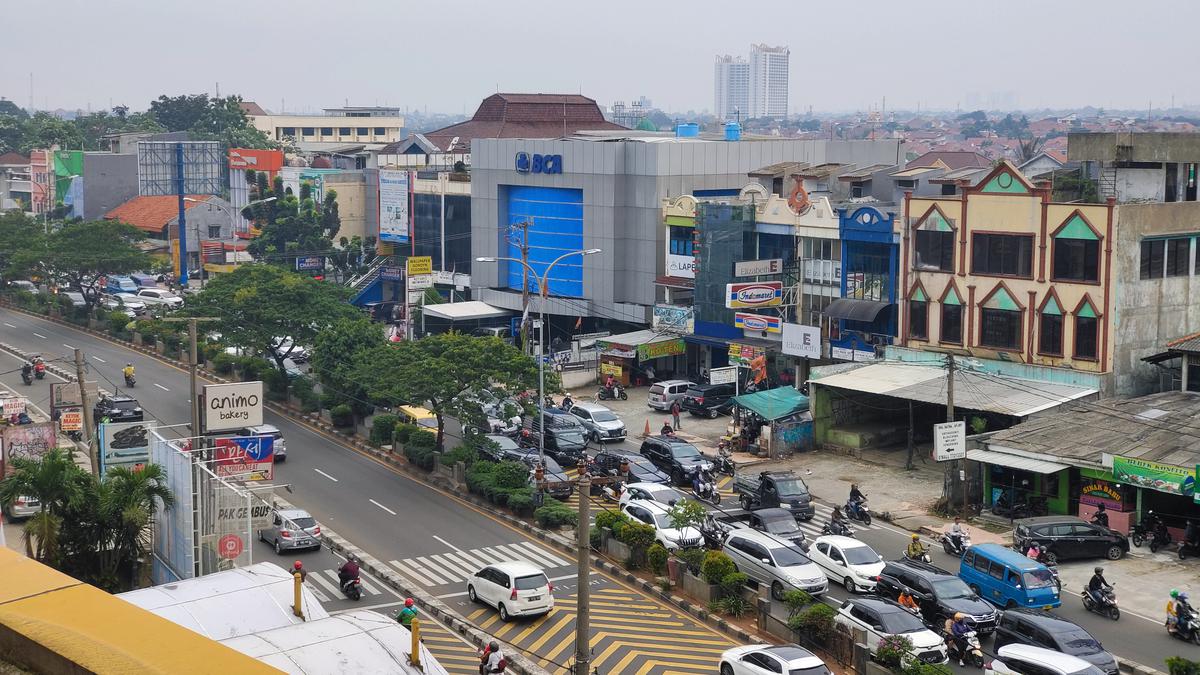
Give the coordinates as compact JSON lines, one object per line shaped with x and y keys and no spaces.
{"x":174,"y":531}
{"x":124,"y":444}
{"x":259,"y":160}
{"x":754,"y":268}
{"x":13,"y":405}
{"x":233,"y":406}
{"x":673,"y":319}
{"x":28,"y":441}
{"x":682,"y":266}
{"x":159,"y":164}
{"x":393,"y":206}
{"x":755,"y":294}
{"x":71,"y":419}
{"x":420,"y":264}
{"x":66,"y":394}
{"x":310,"y":263}
{"x":759,"y":323}
{"x":244,"y":457}
{"x":801,"y":340}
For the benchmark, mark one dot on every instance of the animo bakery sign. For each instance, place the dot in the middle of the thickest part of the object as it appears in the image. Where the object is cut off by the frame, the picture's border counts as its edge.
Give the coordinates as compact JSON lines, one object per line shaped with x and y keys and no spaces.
{"x":233,"y":406}
{"x":759,"y":294}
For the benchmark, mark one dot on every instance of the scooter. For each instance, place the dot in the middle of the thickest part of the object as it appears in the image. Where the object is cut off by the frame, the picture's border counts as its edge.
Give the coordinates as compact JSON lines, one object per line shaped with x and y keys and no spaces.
{"x":39,"y":370}
{"x":974,"y":653}
{"x":708,"y":491}
{"x":1161,"y":538}
{"x":837,"y":528}
{"x":956,"y":550}
{"x":724,"y":462}
{"x":1187,"y":628}
{"x":27,"y":378}
{"x":352,"y":588}
{"x":714,"y":535}
{"x":130,"y":380}
{"x":924,"y":557}
{"x":1107,"y":605}
{"x":1143,"y":530}
{"x":858,"y":511}
{"x":617,"y":392}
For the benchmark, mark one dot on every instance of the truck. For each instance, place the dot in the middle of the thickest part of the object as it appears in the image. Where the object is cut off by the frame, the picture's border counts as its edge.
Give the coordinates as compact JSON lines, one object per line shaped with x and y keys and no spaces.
{"x":775,"y":489}
{"x":777,"y":521}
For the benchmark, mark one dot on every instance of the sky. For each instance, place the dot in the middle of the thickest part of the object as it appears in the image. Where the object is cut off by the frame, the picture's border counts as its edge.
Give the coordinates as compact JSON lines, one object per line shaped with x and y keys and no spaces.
{"x":446,"y":55}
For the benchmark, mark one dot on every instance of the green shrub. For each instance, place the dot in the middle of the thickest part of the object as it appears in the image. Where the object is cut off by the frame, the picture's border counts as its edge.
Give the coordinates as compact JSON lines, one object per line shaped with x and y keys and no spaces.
{"x":893,"y":649}
{"x":555,"y":514}
{"x":421,"y":439}
{"x":716,"y":567}
{"x":816,"y":620}
{"x":512,"y":475}
{"x":733,"y":605}
{"x":638,"y":536}
{"x":403,"y":433}
{"x":1177,"y":665}
{"x":521,"y":501}
{"x":693,"y":558}
{"x":733,"y":582}
{"x":462,"y":454}
{"x":117,"y":323}
{"x":606,"y":518}
{"x":656,"y":558}
{"x":796,"y":600}
{"x":224,"y":362}
{"x":915,"y":667}
{"x":383,"y":427}
{"x":342,"y":416}
{"x":480,"y":483}
{"x":277,"y":384}
{"x":595,"y":538}
{"x":420,"y":457}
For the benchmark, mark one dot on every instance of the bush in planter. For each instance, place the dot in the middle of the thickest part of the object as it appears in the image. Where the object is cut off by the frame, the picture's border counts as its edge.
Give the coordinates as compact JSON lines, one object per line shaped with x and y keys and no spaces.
{"x":892,"y":649}
{"x":224,"y":362}
{"x":638,"y":536}
{"x":656,"y":558}
{"x":521,"y":501}
{"x":915,"y":667}
{"x":511,"y":475}
{"x":732,"y":583}
{"x":462,"y":453}
{"x":796,"y":601}
{"x":342,"y":416}
{"x":606,"y":518}
{"x":595,"y":538}
{"x":403,"y":433}
{"x":555,"y":514}
{"x":733,"y":605}
{"x":716,"y":567}
{"x":817,"y":620}
{"x":383,"y":428}
{"x":693,"y":558}
{"x":480,"y":477}
{"x":117,"y":323}
{"x":1177,"y":665}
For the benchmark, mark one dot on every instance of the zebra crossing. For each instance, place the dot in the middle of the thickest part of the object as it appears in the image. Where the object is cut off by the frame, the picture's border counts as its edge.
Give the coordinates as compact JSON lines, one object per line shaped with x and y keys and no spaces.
{"x":325,"y":585}
{"x":443,"y":569}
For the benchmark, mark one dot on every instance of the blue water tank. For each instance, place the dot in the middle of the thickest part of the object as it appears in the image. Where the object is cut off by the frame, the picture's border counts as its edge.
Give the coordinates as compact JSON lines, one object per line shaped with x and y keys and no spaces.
{"x":687,"y":130}
{"x":733,"y":131}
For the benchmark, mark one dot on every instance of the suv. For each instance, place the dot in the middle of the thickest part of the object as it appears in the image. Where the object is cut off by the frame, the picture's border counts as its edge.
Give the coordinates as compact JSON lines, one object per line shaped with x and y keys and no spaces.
{"x":279,"y":449}
{"x":938,"y":593}
{"x":774,"y":562}
{"x":656,"y":515}
{"x":674,"y":456}
{"x":601,"y":423}
{"x":160,"y":296}
{"x":1037,"y":627}
{"x":117,"y":408}
{"x":708,"y":400}
{"x":291,"y":529}
{"x":641,"y":470}
{"x":1066,"y":537}
{"x":881,"y":619}
{"x":663,"y":394}
{"x":566,"y":439}
{"x":1023,"y":659}
{"x":559,"y":484}
{"x":498,"y":447}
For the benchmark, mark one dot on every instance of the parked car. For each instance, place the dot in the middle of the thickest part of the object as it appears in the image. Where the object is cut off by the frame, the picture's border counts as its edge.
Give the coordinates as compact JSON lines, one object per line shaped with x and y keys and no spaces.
{"x":291,"y":529}
{"x":938,"y":593}
{"x":654,"y":492}
{"x":498,"y":447}
{"x":708,"y":400}
{"x":1026,"y":626}
{"x":764,"y":659}
{"x":774,"y":562}
{"x":120,"y":284}
{"x":655,"y":515}
{"x":676,"y":457}
{"x":160,"y":296}
{"x":558,"y":482}
{"x":847,"y":561}
{"x":514,"y":588}
{"x":77,"y":299}
{"x":421,"y":417}
{"x":1025,"y":660}
{"x":641,"y":470}
{"x":24,"y":285}
{"x":775,"y":489}
{"x":117,"y":408}
{"x":279,"y":446}
{"x":22,"y":507}
{"x":882,"y":618}
{"x":602,"y":424}
{"x":502,"y":332}
{"x":663,"y":394}
{"x":778,"y":522}
{"x":123,"y":302}
{"x":1008,"y":579}
{"x":566,"y":439}
{"x":1066,"y":537}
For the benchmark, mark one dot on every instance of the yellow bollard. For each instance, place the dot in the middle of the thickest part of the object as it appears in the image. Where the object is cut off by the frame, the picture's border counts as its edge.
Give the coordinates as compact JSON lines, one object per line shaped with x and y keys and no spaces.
{"x":296,"y":608}
{"x":415,"y":657}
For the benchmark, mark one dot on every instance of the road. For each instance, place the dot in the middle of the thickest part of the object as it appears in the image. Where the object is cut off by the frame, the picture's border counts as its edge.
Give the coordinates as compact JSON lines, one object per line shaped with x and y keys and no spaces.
{"x":429,"y":536}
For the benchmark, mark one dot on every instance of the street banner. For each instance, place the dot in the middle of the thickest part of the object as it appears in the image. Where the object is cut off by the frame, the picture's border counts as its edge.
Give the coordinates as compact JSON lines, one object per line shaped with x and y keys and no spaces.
{"x":799,"y":340}
{"x":655,"y":350}
{"x":419,"y":264}
{"x":71,"y":419}
{"x":13,"y":405}
{"x":124,"y":444}
{"x":393,"y":206}
{"x":244,"y":457}
{"x":1175,"y":480}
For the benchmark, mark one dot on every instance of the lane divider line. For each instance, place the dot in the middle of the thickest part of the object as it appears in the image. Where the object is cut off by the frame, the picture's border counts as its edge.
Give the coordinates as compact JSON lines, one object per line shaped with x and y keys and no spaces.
{"x":382,"y":506}
{"x":326,"y":475}
{"x":161,"y":387}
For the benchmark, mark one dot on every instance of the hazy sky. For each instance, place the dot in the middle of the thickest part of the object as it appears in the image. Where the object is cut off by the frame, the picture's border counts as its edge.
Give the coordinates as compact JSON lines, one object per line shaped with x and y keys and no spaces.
{"x":446,"y":56}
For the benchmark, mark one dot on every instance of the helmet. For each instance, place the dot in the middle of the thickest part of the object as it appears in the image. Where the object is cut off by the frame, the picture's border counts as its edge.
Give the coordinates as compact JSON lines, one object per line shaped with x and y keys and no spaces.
{"x":915,"y":536}
{"x":408,"y":602}
{"x":1174,"y":593}
{"x":958,"y":616}
{"x":494,"y":646}
{"x":129,"y":365}
{"x":297,"y":565}
{"x":1099,"y":570}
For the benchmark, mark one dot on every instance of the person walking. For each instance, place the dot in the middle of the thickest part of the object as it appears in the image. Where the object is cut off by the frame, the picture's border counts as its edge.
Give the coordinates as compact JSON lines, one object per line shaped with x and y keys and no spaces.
{"x":675,"y":414}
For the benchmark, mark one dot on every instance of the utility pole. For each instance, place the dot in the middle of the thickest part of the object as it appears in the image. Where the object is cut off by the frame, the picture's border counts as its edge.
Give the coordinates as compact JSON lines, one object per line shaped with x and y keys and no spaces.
{"x":583,"y":555}
{"x":89,"y":429}
{"x":523,"y":226}
{"x":193,"y":366}
{"x":908,"y":464}
{"x":962,"y":474}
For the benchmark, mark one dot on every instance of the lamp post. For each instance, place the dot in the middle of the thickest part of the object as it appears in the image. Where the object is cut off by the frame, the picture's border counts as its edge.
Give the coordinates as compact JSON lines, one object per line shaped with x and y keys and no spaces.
{"x":231,"y":224}
{"x":543,"y":289}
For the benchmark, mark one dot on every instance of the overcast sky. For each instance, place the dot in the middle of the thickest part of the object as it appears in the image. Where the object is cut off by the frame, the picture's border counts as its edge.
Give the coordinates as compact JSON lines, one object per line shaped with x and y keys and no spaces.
{"x":446,"y":56}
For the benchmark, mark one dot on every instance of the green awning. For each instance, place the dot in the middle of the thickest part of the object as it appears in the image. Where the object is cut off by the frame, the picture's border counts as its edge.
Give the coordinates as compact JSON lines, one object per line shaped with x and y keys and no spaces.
{"x":774,"y":404}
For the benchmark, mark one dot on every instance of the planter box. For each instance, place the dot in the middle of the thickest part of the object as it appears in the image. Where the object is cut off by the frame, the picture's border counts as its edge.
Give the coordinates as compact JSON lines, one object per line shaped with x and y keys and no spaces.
{"x":697,"y":587}
{"x":616,"y":549}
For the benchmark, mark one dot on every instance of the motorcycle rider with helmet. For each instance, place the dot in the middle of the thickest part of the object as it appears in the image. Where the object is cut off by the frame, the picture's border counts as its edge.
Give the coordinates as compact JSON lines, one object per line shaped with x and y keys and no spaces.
{"x":915,"y":550}
{"x":1096,"y":586}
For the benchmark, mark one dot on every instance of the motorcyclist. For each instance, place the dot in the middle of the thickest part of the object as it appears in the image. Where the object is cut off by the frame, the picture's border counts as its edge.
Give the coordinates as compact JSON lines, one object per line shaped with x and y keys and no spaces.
{"x":1096,"y":586}
{"x":348,"y":571}
{"x":407,"y":613}
{"x":492,"y":661}
{"x":1034,"y":551}
{"x":958,"y":631}
{"x":609,"y":383}
{"x":956,"y":533}
{"x":915,"y":550}
{"x":906,"y":600}
{"x":856,"y":497}
{"x":1172,"y":615}
{"x":26,"y":369}
{"x":667,"y":429}
{"x":837,"y":522}
{"x":1100,"y":517}
{"x":127,"y":371}
{"x":702,"y":483}
{"x":567,"y":402}
{"x":1183,"y":611}
{"x":299,"y":567}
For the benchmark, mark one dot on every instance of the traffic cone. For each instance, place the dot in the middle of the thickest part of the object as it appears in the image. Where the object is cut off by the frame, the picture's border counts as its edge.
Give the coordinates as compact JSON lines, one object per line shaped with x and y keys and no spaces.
{"x":646,"y":433}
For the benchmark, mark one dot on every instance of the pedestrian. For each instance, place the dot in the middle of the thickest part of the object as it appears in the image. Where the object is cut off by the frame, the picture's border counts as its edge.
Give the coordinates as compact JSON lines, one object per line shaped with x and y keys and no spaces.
{"x":407,"y":613}
{"x":675,"y":413}
{"x":298,"y":567}
{"x":567,"y":402}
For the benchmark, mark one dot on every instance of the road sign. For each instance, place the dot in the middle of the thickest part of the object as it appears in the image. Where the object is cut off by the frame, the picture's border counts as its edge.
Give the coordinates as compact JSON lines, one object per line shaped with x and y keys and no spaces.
{"x":949,"y":441}
{"x":726,"y":375}
{"x":420,"y":281}
{"x":230,"y":546}
{"x":420,"y":264}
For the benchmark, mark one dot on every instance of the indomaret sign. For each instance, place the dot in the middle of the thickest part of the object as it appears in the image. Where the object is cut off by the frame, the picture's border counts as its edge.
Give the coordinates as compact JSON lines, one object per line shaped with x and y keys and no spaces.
{"x":233,"y":406}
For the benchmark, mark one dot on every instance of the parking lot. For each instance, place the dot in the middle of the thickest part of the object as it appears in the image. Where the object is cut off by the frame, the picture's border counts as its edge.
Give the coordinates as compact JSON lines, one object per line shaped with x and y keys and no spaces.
{"x":701,"y":431}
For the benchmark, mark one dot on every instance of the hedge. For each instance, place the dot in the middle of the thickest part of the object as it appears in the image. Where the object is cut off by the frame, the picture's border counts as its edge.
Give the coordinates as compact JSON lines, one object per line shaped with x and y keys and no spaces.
{"x":383,"y":428}
{"x":555,"y":514}
{"x":716,"y":566}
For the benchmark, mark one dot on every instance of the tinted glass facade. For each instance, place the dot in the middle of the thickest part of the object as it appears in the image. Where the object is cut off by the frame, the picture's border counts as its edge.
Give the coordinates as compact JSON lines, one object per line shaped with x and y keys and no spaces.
{"x":427,"y":225}
{"x":725,"y":235}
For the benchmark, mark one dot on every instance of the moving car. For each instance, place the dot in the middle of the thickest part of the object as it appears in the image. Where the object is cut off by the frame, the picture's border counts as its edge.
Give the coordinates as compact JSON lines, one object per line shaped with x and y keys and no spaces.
{"x":654,"y":492}
{"x":773,"y":562}
{"x":778,"y":522}
{"x":117,"y":408}
{"x":938,"y":593}
{"x":291,"y":529}
{"x":883,"y":618}
{"x":22,"y":507}
{"x":1008,"y":579}
{"x":602,"y":424}
{"x":655,"y":515}
{"x":558,"y":485}
{"x":663,"y":394}
{"x":513,"y":588}
{"x":1024,"y":660}
{"x":771,"y":489}
{"x":160,"y":296}
{"x":1066,"y":537}
{"x":279,"y":448}
{"x":708,"y":400}
{"x":847,"y":561}
{"x":1026,"y":626}
{"x":675,"y":456}
{"x":566,"y":438}
{"x":641,"y":470}
{"x":764,"y":659}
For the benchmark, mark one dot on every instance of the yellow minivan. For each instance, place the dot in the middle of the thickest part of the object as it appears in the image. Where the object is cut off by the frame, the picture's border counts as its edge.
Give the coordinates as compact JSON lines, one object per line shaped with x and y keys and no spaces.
{"x":414,"y":414}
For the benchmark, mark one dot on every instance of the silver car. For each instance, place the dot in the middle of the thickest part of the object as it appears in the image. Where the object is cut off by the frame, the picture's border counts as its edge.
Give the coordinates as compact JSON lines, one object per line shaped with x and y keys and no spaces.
{"x":22,"y":507}
{"x":774,"y":562}
{"x":291,"y":529}
{"x":663,"y":394}
{"x":601,"y":423}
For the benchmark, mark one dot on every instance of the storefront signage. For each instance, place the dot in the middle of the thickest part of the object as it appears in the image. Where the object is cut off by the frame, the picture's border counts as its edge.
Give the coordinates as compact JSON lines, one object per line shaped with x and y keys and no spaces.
{"x":1099,"y":492}
{"x":682,"y":266}
{"x":71,"y":420}
{"x":754,"y":268}
{"x":246,"y":458}
{"x":259,"y":160}
{"x":390,"y":273}
{"x":949,"y":441}
{"x":1162,"y":477}
{"x":13,"y":405}
{"x":801,"y":340}
{"x":726,"y":375}
{"x":757,"y":322}
{"x":655,"y":350}
{"x":420,"y":281}
{"x":673,"y":319}
{"x":233,"y":406}
{"x":851,"y":349}
{"x":419,"y":264}
{"x":610,"y":369}
{"x":744,"y":354}
{"x":310,"y":262}
{"x":547,"y":164}
{"x":762,"y":294}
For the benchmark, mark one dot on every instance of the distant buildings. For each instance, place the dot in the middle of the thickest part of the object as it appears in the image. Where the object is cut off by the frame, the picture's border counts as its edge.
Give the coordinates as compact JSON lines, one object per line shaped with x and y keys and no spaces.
{"x":731,"y":87}
{"x":365,"y":124}
{"x":754,"y":88}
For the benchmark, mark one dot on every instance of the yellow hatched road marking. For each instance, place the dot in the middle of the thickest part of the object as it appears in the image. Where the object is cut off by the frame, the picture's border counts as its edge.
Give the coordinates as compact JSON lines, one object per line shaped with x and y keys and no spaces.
{"x":615,"y":631}
{"x":643,"y":651}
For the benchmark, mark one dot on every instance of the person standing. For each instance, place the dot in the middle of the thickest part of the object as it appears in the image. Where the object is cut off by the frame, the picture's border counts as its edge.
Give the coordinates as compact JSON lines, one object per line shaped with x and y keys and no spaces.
{"x":675,"y":414}
{"x":406,"y":615}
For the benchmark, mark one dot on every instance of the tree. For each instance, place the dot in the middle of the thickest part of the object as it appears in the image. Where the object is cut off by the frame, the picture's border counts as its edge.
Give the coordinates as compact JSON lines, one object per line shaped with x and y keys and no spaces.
{"x":18,"y":233}
{"x":128,"y":500}
{"x":215,"y":119}
{"x":443,"y":372}
{"x":179,"y":113}
{"x":335,"y":352}
{"x":55,"y":481}
{"x":8,"y":108}
{"x":687,"y":513}
{"x":268,"y":309}
{"x":291,"y":224}
{"x":352,"y":256}
{"x":44,"y":130}
{"x":82,"y":252}
{"x":1028,"y":148}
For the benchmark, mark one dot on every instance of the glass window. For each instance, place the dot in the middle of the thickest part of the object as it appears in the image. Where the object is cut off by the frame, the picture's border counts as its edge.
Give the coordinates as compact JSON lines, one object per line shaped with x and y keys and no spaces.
{"x":1050,"y":334}
{"x":214,"y":231}
{"x":1002,"y":254}
{"x":1177,"y":257}
{"x":1000,"y":328}
{"x":918,"y":319}
{"x":531,"y":582}
{"x":344,"y":131}
{"x":326,"y":131}
{"x":951,"y":323}
{"x":861,"y":555}
{"x":307,"y":131}
{"x":1153,"y":252}
{"x":681,"y":240}
{"x":996,"y":570}
{"x":288,"y":131}
{"x":380,"y":131}
{"x":1086,"y":329}
{"x":1077,"y":260}
{"x":364,"y":131}
{"x":935,"y":250}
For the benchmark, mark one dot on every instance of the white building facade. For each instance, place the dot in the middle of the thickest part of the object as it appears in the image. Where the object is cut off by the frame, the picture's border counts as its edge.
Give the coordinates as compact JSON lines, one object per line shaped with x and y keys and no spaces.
{"x":731,"y":87}
{"x":769,"y":81}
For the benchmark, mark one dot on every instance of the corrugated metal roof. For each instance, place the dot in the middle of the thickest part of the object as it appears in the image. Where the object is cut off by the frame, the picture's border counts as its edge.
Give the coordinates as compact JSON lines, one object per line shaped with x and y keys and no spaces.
{"x":864,"y":172}
{"x":637,"y":337}
{"x":779,"y":169}
{"x":1187,"y":343}
{"x":917,"y":171}
{"x":1015,"y":461}
{"x":464,"y":311}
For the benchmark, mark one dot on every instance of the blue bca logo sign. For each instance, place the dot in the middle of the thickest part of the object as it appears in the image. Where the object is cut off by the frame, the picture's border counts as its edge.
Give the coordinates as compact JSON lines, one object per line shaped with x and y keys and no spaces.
{"x":527,"y":163}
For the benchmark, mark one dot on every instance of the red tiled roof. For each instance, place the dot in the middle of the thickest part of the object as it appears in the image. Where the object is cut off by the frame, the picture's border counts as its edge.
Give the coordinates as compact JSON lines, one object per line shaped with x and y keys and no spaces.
{"x":252,"y":108}
{"x":151,"y":214}
{"x":14,"y":158}
{"x":952,"y":159}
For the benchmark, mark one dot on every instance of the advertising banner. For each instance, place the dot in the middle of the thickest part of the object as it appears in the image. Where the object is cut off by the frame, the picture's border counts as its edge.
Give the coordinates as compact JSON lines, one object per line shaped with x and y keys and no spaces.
{"x":610,"y":369}
{"x":801,"y":340}
{"x":245,"y":458}
{"x":310,"y":263}
{"x":71,"y":419}
{"x":391,"y":273}
{"x":656,"y":350}
{"x":682,"y":266}
{"x":259,"y":160}
{"x":393,"y":206}
{"x":673,"y":319}
{"x":66,"y":394}
{"x":174,"y":533}
{"x":754,"y":268}
{"x":726,"y":375}
{"x":29,"y":441}
{"x":1175,"y":480}
{"x":760,"y":294}
{"x":758,"y":323}
{"x":744,"y":354}
{"x":13,"y":405}
{"x":233,"y":406}
{"x":124,"y":444}
{"x":419,"y":264}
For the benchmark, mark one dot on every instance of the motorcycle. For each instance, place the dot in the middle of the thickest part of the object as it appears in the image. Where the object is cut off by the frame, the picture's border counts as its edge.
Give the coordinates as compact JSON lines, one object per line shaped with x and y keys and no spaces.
{"x":1187,"y":628}
{"x":724,"y":462}
{"x":713,"y":534}
{"x":39,"y":370}
{"x":130,"y":380}
{"x":838,"y":528}
{"x":924,"y":557}
{"x":708,"y":491}
{"x":1144,"y":530}
{"x":1161,"y":538}
{"x":1186,"y":547}
{"x":27,"y":378}
{"x":352,"y":588}
{"x":1107,"y":605}
{"x":974,"y":653}
{"x":956,"y":550}
{"x":858,"y":511}
{"x":617,"y":392}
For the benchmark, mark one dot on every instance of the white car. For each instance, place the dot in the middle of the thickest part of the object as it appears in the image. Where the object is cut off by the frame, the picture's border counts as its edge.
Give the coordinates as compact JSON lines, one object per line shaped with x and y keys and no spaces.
{"x":24,"y":285}
{"x":22,"y":507}
{"x":513,"y":588}
{"x":881,"y":618}
{"x":160,"y":296}
{"x":1018,"y":659}
{"x":847,"y":561}
{"x":130,"y":302}
{"x":654,"y":492}
{"x":655,"y":515}
{"x":771,"y":660}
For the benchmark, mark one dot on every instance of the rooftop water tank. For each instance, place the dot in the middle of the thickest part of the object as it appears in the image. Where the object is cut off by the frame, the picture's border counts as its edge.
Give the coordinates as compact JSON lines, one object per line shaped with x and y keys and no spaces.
{"x":687,"y":130}
{"x":733,"y":131}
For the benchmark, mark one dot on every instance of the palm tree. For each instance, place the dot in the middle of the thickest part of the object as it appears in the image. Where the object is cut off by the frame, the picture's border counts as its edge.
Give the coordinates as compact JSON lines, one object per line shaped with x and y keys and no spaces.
{"x":1028,"y":148}
{"x":55,"y":481}
{"x":128,"y":500}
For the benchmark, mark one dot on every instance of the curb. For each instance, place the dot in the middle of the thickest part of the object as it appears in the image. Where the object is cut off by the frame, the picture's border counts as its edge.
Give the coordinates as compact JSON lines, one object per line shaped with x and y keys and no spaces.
{"x":1135,"y":668}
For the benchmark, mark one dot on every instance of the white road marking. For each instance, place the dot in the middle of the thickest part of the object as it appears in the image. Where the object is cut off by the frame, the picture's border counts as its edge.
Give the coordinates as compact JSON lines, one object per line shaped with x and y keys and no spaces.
{"x":40,"y":335}
{"x":68,"y":346}
{"x":9,"y":324}
{"x":99,"y":359}
{"x":326,"y":475}
{"x":447,"y":543}
{"x":382,"y":506}
{"x":161,"y":387}
{"x":357,"y":608}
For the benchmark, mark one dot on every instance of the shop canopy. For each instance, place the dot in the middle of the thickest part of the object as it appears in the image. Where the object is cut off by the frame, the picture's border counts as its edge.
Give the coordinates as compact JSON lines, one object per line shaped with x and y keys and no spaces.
{"x":855,"y":309}
{"x":1015,"y":461}
{"x":773,"y":404}
{"x":644,"y":344}
{"x":463,"y":311}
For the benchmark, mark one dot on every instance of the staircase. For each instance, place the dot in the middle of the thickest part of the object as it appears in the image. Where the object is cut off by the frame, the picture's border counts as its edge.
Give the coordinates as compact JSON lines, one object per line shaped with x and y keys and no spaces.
{"x":1106,"y":184}
{"x":364,"y":283}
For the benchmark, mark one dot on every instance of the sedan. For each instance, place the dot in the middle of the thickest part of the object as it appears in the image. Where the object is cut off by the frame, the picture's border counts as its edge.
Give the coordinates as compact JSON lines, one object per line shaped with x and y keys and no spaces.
{"x":1066,"y":537}
{"x":881,"y":619}
{"x":771,"y":660}
{"x":847,"y":561}
{"x":291,"y":529}
{"x":654,"y":492}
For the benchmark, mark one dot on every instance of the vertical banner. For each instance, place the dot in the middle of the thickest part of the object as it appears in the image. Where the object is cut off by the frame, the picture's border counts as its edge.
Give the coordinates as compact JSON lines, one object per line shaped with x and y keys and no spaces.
{"x":393,"y":206}
{"x":124,"y":444}
{"x":175,"y":256}
{"x":174,"y":530}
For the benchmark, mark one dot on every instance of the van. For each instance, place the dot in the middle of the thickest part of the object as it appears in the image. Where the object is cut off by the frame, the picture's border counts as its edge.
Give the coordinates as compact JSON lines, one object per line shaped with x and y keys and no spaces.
{"x":119,"y":284}
{"x":663,"y":394}
{"x":412,"y":414}
{"x":144,"y":280}
{"x":1008,"y":579}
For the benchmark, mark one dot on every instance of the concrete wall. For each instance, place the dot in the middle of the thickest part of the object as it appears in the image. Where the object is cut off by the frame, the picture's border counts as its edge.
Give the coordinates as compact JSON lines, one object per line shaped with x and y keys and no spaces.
{"x":199,"y":218}
{"x":1143,"y":147}
{"x":353,"y":205}
{"x":1141,"y":185}
{"x":109,"y":180}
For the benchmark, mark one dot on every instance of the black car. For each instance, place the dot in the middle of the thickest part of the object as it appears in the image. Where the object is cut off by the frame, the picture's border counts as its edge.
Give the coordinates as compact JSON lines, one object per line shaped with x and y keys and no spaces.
{"x":1040,"y":628}
{"x":676,"y":457}
{"x":566,"y":439}
{"x":558,"y":484}
{"x":939,"y":593}
{"x":1066,"y":537}
{"x":118,"y":408}
{"x":641,"y":470}
{"x":708,"y":400}
{"x":497,"y":446}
